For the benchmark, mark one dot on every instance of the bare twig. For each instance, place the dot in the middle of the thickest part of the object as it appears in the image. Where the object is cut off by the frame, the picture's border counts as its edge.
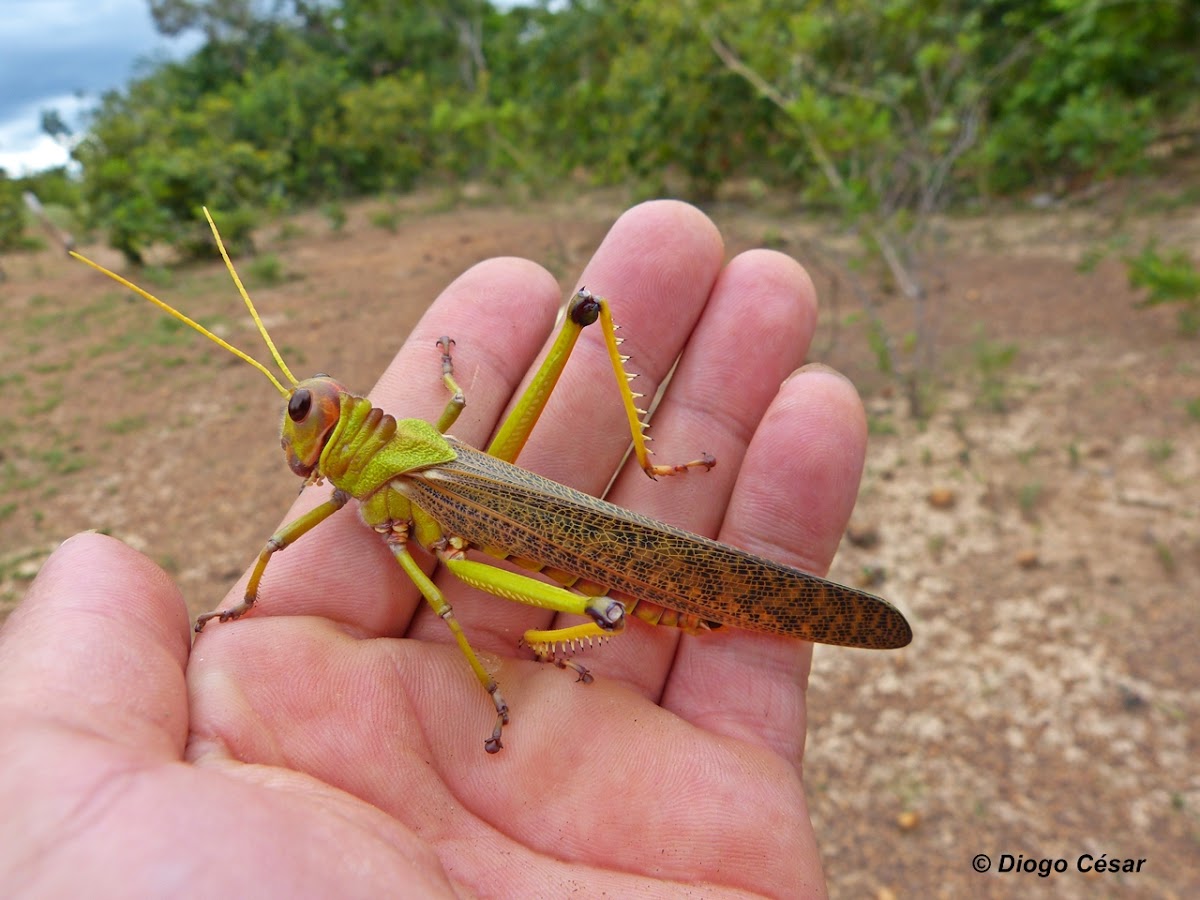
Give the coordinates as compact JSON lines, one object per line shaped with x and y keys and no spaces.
{"x":60,"y":237}
{"x":887,"y":248}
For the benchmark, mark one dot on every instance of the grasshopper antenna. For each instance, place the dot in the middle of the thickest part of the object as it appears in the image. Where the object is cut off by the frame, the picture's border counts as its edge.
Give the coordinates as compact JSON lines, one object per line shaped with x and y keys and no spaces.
{"x":262,"y":329}
{"x":193,"y":324}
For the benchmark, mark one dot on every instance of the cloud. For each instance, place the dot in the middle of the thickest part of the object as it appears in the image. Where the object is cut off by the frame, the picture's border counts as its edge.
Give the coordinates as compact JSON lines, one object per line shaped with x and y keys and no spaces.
{"x":63,"y":46}
{"x":53,"y":50}
{"x":37,"y":153}
{"x":25,"y":148}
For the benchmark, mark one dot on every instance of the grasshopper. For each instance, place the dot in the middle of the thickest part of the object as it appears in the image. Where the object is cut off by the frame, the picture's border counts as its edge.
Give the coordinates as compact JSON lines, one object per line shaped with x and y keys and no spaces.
{"x":415,"y":483}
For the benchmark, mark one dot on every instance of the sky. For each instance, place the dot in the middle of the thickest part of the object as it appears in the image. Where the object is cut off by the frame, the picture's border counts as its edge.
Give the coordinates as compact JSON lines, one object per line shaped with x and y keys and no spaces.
{"x":64,"y":54}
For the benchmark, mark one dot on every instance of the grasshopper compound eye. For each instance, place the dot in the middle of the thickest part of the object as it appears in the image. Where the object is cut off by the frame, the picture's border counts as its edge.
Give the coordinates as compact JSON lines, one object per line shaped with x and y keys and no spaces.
{"x":300,"y":404}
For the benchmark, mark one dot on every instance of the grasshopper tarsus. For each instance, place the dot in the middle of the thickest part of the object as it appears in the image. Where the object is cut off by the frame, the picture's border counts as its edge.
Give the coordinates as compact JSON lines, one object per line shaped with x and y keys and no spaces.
{"x":458,"y":400}
{"x":493,"y":744}
{"x":581,"y":671}
{"x":222,"y":615}
{"x":706,"y":462}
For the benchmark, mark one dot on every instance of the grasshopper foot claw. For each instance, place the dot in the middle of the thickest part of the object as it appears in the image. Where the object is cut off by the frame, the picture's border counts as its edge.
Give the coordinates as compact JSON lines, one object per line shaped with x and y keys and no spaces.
{"x":492,"y":744}
{"x":222,"y":615}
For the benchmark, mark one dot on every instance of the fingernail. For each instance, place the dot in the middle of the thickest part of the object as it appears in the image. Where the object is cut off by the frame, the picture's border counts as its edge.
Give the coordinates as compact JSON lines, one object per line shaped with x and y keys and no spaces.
{"x":815,"y":367}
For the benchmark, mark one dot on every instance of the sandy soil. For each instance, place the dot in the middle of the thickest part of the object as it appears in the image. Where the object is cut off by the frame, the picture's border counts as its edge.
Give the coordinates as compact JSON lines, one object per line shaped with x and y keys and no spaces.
{"x":1042,"y":530}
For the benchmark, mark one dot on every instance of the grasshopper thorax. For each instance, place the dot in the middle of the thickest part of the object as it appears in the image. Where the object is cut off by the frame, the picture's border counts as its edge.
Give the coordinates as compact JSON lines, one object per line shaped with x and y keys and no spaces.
{"x":313,"y":409}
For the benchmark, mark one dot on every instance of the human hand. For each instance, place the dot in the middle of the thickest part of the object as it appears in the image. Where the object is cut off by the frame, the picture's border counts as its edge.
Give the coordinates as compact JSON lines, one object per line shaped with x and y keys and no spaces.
{"x":332,"y":741}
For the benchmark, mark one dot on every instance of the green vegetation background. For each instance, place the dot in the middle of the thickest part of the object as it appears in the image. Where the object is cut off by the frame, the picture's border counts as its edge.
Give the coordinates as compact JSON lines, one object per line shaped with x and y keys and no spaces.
{"x":883,"y":109}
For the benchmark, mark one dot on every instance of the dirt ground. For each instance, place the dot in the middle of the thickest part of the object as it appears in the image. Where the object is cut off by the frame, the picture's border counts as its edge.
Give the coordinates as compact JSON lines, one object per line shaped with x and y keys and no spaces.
{"x":1041,"y":530}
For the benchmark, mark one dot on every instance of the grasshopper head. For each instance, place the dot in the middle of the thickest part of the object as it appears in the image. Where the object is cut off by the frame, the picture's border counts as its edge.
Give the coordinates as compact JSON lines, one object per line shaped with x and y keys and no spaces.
{"x":314,"y":405}
{"x":313,"y":408}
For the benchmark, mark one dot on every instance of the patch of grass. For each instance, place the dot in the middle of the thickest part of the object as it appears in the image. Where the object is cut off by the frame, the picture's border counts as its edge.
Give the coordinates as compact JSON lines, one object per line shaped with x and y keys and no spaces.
{"x":936,"y":545}
{"x":10,"y":478}
{"x":1026,"y":455}
{"x":50,"y":368}
{"x":41,"y":322}
{"x":67,"y":318}
{"x":15,"y":565}
{"x":1165,"y":557}
{"x":1168,"y":279}
{"x":266,"y":270}
{"x":773,"y":238}
{"x":161,"y":331}
{"x":159,"y":277}
{"x":290,"y":231}
{"x":63,"y":461}
{"x":1192,"y":408}
{"x":993,"y":359}
{"x":110,"y":300}
{"x":48,"y":403}
{"x":877,"y":340}
{"x":387,"y":218}
{"x":1097,"y":253}
{"x":168,"y":332}
{"x":335,"y":215}
{"x":879,"y":425}
{"x":1029,"y":497}
{"x":1090,"y":259}
{"x":923,"y":394}
{"x":201,"y":285}
{"x":1168,"y":201}
{"x":32,"y":243}
{"x":449,"y":198}
{"x":294,"y":356}
{"x":126,"y":424}
{"x":1160,"y":450}
{"x":8,"y":509}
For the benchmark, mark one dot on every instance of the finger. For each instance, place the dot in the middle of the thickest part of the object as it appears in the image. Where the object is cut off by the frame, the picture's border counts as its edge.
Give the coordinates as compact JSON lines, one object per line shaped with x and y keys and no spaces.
{"x":755,"y":330}
{"x":794,"y":495}
{"x":498,"y":314}
{"x":656,"y":266}
{"x":98,"y":647}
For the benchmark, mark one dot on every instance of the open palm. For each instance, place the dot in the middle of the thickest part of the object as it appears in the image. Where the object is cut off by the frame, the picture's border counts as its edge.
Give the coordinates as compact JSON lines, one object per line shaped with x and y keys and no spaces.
{"x":332,"y":741}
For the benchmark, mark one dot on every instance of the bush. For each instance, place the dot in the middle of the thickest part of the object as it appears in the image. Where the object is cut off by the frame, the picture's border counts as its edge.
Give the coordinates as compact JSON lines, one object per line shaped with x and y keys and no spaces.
{"x":1170,"y":279}
{"x":12,"y":213}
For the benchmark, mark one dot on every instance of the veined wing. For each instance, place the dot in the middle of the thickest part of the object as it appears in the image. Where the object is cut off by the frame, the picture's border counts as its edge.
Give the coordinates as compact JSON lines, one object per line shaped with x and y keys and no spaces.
{"x":492,"y":503}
